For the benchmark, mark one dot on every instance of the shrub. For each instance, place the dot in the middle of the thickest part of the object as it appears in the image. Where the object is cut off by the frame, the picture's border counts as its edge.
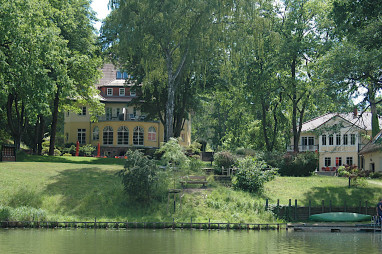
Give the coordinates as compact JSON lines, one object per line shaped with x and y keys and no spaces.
{"x":252,"y":174}
{"x":193,"y":149}
{"x":70,"y":149}
{"x":352,"y":170}
{"x":173,"y":153}
{"x":224,"y":159}
{"x":302,"y":164}
{"x":5,"y":213}
{"x":141,"y":177}
{"x":25,"y":213}
{"x":376,"y":175}
{"x":86,"y":150}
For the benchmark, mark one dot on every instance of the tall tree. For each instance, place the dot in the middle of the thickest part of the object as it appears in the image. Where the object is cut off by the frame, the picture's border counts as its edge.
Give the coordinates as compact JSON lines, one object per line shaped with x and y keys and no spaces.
{"x":29,"y":42}
{"x":162,"y":37}
{"x":356,"y":61}
{"x":78,"y":68}
{"x":303,"y":42}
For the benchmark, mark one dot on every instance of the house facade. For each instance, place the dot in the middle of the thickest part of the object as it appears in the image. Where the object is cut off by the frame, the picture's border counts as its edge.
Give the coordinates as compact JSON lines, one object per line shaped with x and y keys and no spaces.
{"x":337,"y":138}
{"x":372,"y":154}
{"x":122,"y":127}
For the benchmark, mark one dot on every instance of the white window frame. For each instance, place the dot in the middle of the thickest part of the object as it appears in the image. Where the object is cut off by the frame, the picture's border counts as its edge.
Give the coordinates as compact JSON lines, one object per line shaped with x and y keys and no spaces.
{"x":132,"y":92}
{"x":123,"y":135}
{"x":81,"y":136}
{"x":152,"y":134}
{"x":331,"y":139}
{"x":353,"y":139}
{"x":323,"y":140}
{"x":109,"y":91}
{"x":107,"y":135}
{"x":138,"y":136}
{"x":349,"y":161}
{"x":121,"y":91}
{"x":328,"y":161}
{"x":345,"y":139}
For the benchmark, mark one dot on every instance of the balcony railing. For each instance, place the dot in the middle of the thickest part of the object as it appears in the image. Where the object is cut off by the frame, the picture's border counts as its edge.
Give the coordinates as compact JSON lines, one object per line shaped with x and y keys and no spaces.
{"x":122,"y":117}
{"x":309,"y":148}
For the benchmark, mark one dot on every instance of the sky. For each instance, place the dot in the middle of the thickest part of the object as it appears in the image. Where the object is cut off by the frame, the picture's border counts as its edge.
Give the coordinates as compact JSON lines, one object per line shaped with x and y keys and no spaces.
{"x":100,"y":7}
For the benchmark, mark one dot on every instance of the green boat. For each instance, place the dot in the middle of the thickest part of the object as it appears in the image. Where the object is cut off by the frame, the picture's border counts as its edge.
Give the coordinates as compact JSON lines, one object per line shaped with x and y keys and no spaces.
{"x":340,"y":217}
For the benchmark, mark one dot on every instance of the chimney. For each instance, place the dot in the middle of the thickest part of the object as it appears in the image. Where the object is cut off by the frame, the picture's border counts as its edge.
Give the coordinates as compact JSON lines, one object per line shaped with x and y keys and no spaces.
{"x":355,"y":113}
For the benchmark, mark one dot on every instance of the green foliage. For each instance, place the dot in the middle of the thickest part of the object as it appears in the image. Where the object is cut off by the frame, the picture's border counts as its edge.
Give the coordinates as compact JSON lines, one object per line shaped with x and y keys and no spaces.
{"x":252,"y":174}
{"x":376,"y":175}
{"x":86,"y":150}
{"x":194,"y":148}
{"x":141,"y":177}
{"x":26,"y":213}
{"x":224,"y":159}
{"x":173,"y":153}
{"x":302,"y":164}
{"x":5,"y":213}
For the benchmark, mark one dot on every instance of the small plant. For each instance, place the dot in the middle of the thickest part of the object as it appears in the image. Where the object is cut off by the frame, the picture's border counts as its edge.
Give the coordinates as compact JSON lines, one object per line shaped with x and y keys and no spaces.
{"x":252,"y":174}
{"x":141,"y":177}
{"x":224,"y":159}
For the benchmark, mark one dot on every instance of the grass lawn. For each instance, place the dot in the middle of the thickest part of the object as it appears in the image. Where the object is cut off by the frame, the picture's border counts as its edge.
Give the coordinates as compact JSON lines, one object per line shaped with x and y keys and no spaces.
{"x":318,"y":188}
{"x":80,"y":188}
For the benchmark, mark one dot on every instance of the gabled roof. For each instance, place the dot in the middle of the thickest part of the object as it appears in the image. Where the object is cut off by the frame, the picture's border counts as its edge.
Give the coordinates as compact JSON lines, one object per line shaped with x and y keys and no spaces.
{"x":362,"y":121}
{"x":109,"y":77}
{"x":374,"y":145}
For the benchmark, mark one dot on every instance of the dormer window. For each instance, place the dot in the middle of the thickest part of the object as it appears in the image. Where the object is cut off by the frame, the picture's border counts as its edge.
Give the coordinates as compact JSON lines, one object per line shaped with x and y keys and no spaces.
{"x":110,"y":91}
{"x":132,"y":92}
{"x":121,"y":91}
{"x":122,"y":75}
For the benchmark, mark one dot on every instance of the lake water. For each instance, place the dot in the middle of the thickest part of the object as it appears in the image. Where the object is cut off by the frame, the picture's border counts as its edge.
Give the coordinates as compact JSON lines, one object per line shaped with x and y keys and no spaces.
{"x":184,"y":241}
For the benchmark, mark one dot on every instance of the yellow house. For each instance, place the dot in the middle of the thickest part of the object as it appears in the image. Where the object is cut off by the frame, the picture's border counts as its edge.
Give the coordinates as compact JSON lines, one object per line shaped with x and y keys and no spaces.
{"x":337,"y":138}
{"x":123,"y":126}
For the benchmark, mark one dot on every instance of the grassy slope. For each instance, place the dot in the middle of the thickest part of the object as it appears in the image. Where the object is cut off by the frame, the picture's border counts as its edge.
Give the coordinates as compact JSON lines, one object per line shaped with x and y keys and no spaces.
{"x":84,"y":188}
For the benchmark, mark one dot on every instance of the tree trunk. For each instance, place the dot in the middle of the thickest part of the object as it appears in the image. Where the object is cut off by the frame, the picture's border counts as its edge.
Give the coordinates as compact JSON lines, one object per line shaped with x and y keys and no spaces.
{"x":16,"y":120}
{"x":40,"y":135}
{"x":374,"y":117}
{"x":296,"y":134}
{"x":53,"y":128}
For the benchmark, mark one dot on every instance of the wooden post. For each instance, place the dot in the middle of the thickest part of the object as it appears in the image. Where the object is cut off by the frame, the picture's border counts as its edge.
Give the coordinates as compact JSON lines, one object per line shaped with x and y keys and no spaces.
{"x":295,"y":209}
{"x":310,"y":207}
{"x":330,"y":205}
{"x":209,"y":223}
{"x":266,"y":204}
{"x":323,"y":206}
{"x":278,"y":207}
{"x":289,"y":207}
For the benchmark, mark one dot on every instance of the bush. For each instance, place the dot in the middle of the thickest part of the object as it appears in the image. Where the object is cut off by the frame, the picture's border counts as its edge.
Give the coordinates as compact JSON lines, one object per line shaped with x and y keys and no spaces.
{"x":224,"y":159}
{"x":5,"y":213}
{"x":252,"y":174}
{"x":376,"y":175}
{"x":70,"y":150}
{"x":25,"y":213}
{"x":173,"y":153}
{"x":86,"y":150}
{"x":302,"y":164}
{"x":346,"y":171}
{"x":141,"y":177}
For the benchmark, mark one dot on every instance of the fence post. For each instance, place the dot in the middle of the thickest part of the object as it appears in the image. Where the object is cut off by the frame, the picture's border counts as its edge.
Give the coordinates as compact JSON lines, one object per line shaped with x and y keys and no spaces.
{"x":295,"y":209}
{"x":266,"y":204}
{"x":323,"y":206}
{"x":310,"y":206}
{"x":278,"y":207}
{"x":289,"y":208}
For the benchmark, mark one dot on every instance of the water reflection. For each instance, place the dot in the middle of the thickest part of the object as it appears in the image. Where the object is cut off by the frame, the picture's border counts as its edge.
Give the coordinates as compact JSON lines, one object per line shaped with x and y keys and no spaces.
{"x":184,"y":241}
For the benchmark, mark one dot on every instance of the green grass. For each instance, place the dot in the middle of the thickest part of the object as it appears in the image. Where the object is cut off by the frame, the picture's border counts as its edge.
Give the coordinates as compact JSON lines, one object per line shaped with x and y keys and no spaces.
{"x":70,"y":159}
{"x":318,"y":188}
{"x":84,"y":188}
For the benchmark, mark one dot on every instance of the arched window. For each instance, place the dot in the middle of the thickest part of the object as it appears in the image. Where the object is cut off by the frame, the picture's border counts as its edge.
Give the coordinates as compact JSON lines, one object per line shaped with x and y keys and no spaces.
{"x":96,"y":133}
{"x":123,"y":135}
{"x":108,"y":135}
{"x":138,"y":136}
{"x":152,"y":134}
